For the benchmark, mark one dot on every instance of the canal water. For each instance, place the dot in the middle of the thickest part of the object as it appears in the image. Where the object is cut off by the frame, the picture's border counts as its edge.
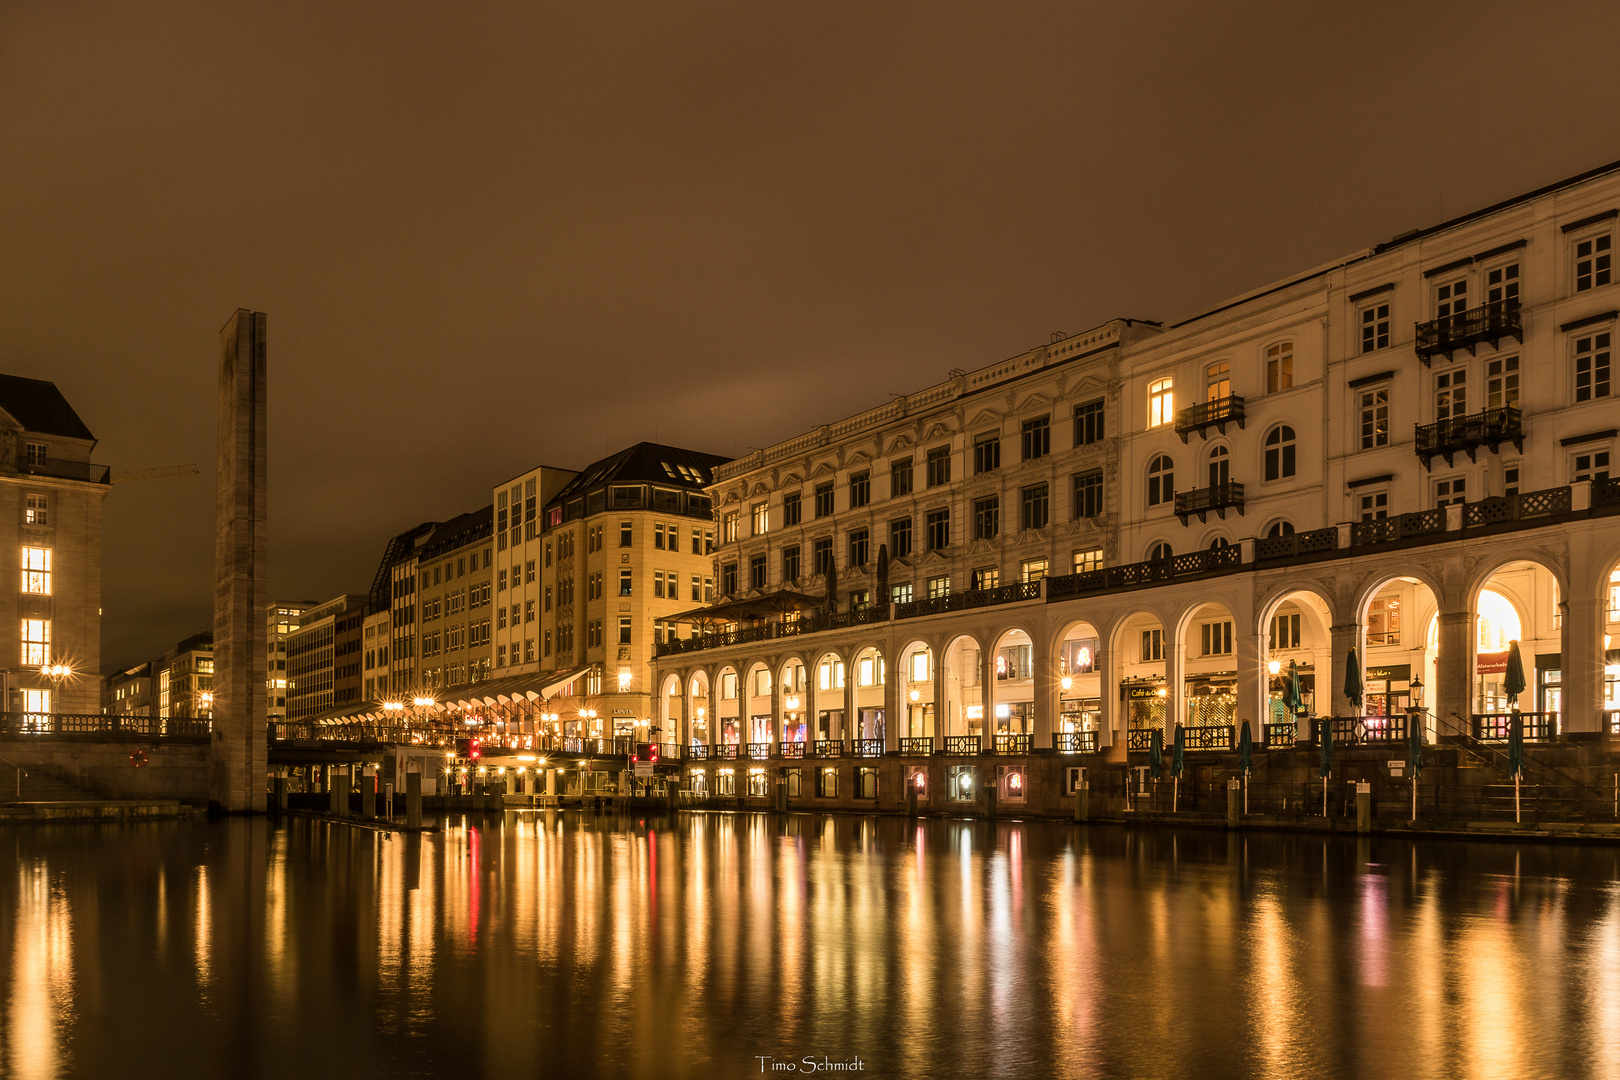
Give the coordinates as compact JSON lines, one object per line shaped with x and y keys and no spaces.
{"x":707,"y":945}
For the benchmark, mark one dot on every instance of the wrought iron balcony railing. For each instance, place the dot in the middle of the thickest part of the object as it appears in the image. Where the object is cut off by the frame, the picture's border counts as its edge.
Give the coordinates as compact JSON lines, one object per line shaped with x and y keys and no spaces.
{"x":1217,"y":498}
{"x":1489,"y":428}
{"x":1467,"y":329}
{"x":1210,"y":414}
{"x":1074,"y":742}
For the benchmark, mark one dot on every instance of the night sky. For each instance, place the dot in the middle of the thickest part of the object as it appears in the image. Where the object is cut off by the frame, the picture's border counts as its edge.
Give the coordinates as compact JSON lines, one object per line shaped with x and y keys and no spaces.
{"x":495,"y":235}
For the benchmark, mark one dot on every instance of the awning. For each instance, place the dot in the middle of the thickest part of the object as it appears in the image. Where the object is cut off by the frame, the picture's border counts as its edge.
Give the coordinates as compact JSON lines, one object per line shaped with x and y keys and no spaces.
{"x":348,"y":712}
{"x":512,"y":688}
{"x":763,"y":606}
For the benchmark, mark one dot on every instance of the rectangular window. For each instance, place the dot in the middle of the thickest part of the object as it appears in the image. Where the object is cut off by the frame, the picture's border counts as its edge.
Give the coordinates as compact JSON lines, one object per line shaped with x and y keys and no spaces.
{"x":36,"y":510}
{"x":1152,"y":645}
{"x":821,"y":555}
{"x":791,"y":509}
{"x":1216,"y":638}
{"x":900,"y":537}
{"x":1502,"y":283}
{"x":1034,"y":503}
{"x":1031,"y":571}
{"x":986,"y":453}
{"x":697,"y":588}
{"x":37,"y":453}
{"x":824,"y":500}
{"x":625,"y":534}
{"x":1373,"y":505}
{"x":1384,"y":621}
{"x":1592,"y":366}
{"x":1280,"y":367}
{"x":1285,"y":631}
{"x":756,"y":572}
{"x":1088,"y":494}
{"x":1374,"y":406}
{"x":986,"y":578}
{"x":900,"y":594}
{"x":36,"y":570}
{"x":899,"y":477}
{"x":1088,"y":423}
{"x":1086,"y":561}
{"x":939,"y":586}
{"x":1375,"y":326}
{"x":528,"y":611}
{"x":1502,"y":382}
{"x":762,"y":518}
{"x":939,"y":529}
{"x":860,"y":489}
{"x":500,"y":580}
{"x":1451,"y":394}
{"x":658,"y":583}
{"x":986,"y":518}
{"x":528,"y":573}
{"x":729,"y":527}
{"x":1036,"y":440}
{"x":1587,"y":465}
{"x":36,"y":642}
{"x":626,"y":582}
{"x":1453,"y":489}
{"x":939,"y":466}
{"x":1451,"y":298}
{"x":860,"y":543}
{"x":1592,"y":262}
{"x":658,"y":536}
{"x":624,"y":630}
{"x":728,"y":579}
{"x":1510,"y":478}
{"x":790,"y":563}
{"x":1161,"y":402}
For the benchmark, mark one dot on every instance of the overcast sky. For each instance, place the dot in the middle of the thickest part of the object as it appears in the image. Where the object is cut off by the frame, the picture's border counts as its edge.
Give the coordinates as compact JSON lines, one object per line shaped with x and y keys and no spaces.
{"x":495,"y":235}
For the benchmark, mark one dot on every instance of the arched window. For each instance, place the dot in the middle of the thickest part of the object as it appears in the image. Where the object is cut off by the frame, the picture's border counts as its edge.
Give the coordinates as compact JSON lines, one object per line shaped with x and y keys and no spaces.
{"x":1281,"y":528}
{"x":1159,"y":552}
{"x":1280,"y":367}
{"x":1280,"y":452}
{"x":1161,"y":480}
{"x":1220,"y":465}
{"x":1218,"y":543}
{"x":1218,"y":380}
{"x":1161,"y":402}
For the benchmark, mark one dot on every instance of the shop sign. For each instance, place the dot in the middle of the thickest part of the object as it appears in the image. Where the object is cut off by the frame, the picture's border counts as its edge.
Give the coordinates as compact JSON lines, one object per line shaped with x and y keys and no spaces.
{"x":1491,"y":663}
{"x":1390,"y":671}
{"x":1138,"y":692}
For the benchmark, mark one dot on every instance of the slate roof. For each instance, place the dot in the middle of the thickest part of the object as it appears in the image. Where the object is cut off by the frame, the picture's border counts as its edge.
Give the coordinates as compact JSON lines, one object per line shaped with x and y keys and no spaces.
{"x":645,"y":463}
{"x":39,"y":406}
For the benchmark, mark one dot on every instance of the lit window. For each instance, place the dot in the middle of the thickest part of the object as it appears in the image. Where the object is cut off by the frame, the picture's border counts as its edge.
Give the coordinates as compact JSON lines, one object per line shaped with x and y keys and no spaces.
{"x":36,"y":570}
{"x":1161,"y":402}
{"x":1218,"y":380}
{"x":37,"y":510}
{"x":762,"y":518}
{"x":36,"y":642}
{"x":1086,"y":561}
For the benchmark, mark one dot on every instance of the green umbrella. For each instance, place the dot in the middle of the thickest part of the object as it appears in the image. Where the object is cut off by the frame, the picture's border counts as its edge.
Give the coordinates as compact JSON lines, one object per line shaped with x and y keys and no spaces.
{"x":1245,"y":748}
{"x":1516,"y":755}
{"x":1293,"y":695}
{"x":1324,"y":736}
{"x":1352,"y":679}
{"x":1178,"y":754}
{"x":1514,"y":682}
{"x":1155,"y":752}
{"x":1414,"y":752}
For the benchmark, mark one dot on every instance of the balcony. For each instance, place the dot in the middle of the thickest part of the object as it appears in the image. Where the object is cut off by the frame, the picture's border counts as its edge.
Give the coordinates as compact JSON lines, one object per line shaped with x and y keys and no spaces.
{"x":1489,"y":428}
{"x":87,"y":471}
{"x":1210,"y":414}
{"x":1217,"y":498}
{"x":1465,"y":330}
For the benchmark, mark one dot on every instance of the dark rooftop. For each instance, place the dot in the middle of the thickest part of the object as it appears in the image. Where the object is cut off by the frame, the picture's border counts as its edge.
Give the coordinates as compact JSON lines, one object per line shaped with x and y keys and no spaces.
{"x":645,"y":463}
{"x":39,"y":406}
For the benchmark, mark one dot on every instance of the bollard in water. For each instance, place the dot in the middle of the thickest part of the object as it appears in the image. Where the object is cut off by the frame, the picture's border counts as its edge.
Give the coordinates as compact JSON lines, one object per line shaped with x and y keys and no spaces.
{"x":368,"y":795}
{"x":281,"y":794}
{"x":1363,"y":808}
{"x":340,"y":795}
{"x":990,"y":801}
{"x":413,"y":800}
{"x":911,"y":800}
{"x":1234,"y":802}
{"x":1082,"y":801}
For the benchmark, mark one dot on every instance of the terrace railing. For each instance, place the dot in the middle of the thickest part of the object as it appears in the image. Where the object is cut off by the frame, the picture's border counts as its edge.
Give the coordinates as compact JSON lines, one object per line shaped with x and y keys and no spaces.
{"x":1074,"y":742}
{"x":1014,"y":743}
{"x":961,"y":745}
{"x":916,"y":746}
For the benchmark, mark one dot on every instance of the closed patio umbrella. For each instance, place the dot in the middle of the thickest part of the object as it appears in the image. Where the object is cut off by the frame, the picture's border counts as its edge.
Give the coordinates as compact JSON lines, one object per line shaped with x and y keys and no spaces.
{"x":1245,"y":760}
{"x":1513,"y":682}
{"x":1352,"y":679}
{"x":832,"y":585}
{"x":1293,"y":695}
{"x":1324,"y":737}
{"x":1516,"y":756}
{"x":883,"y":575}
{"x":1178,"y":763}
{"x":1155,"y":752}
{"x":1414,"y":752}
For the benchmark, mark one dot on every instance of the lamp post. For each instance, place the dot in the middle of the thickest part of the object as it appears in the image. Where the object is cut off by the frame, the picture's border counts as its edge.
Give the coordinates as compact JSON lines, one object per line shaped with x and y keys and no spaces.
{"x":58,"y":672}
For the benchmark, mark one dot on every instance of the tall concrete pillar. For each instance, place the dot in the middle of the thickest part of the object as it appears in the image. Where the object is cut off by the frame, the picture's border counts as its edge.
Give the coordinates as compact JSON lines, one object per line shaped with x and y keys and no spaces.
{"x":1047,"y":690}
{"x":1581,"y":658}
{"x":852,"y":712}
{"x":1453,"y":672}
{"x":1253,"y":683}
{"x":1344,"y":638}
{"x":1175,"y":683}
{"x":240,"y":751}
{"x":987,"y":695}
{"x":1110,"y":717}
{"x":894,"y":702}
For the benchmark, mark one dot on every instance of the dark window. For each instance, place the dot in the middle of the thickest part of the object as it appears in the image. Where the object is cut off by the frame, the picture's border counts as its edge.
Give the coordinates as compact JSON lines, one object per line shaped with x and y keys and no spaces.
{"x":624,"y":533}
{"x":1034,"y":513}
{"x":900,"y":537}
{"x":1037,"y":437}
{"x":756,"y":572}
{"x":860,"y":543}
{"x":1280,"y":452}
{"x":824,"y":500}
{"x":1374,"y":327}
{"x":1161,"y":486}
{"x":900,"y":477}
{"x":1088,"y":494}
{"x":939,"y":466}
{"x":1592,"y":366}
{"x":986,"y":453}
{"x":790,"y":563}
{"x":1592,"y":265}
{"x":986,"y":518}
{"x":728,"y":578}
{"x":1088,"y":423}
{"x":821,"y":555}
{"x":860,"y":489}
{"x":790,"y":508}
{"x":939,"y":529}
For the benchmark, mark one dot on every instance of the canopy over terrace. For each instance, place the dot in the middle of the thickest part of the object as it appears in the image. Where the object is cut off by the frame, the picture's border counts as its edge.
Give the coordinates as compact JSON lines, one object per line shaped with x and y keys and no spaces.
{"x":752,"y":608}
{"x":511,"y":689}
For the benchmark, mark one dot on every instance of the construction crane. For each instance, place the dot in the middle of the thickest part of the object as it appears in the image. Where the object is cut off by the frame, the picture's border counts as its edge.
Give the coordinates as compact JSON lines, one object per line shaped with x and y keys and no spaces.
{"x":129,"y":476}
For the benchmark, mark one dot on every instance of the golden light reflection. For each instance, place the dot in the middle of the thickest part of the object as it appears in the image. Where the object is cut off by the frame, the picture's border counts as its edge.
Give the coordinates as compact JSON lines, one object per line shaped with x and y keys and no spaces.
{"x":41,"y":999}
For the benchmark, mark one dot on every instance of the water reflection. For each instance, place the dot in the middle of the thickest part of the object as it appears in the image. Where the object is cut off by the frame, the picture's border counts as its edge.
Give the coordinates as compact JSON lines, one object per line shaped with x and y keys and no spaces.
{"x":548,"y":944}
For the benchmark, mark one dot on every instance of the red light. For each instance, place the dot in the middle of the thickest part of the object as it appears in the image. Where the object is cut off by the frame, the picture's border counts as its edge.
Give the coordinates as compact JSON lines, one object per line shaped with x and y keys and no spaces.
{"x":652,"y":752}
{"x":474,"y":751}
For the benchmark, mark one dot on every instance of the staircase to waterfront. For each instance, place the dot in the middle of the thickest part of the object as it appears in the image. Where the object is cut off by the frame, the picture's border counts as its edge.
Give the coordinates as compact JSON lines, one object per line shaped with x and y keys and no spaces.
{"x":36,"y":786}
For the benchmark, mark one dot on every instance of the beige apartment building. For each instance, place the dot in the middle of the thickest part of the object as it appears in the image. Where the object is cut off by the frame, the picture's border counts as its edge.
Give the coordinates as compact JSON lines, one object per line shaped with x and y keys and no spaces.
{"x":280,"y":621}
{"x":324,"y":658}
{"x":51,"y":493}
